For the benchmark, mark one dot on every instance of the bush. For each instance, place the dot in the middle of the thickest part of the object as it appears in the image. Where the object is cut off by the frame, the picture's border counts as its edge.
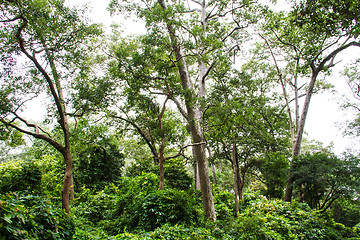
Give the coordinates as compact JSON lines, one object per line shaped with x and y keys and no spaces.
{"x":224,"y":204}
{"x":170,"y":232}
{"x":117,"y":206}
{"x":19,"y":176}
{"x":32,"y":217}
{"x":168,"y":206}
{"x":174,"y":172}
{"x":52,"y":175}
{"x":98,"y":165}
{"x":346,"y":211}
{"x":134,"y":204}
{"x":264,"y":219}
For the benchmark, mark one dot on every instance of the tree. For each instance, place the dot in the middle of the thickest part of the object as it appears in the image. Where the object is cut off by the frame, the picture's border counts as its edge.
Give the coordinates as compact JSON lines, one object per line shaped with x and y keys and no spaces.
{"x":352,"y":76}
{"x":44,"y":46}
{"x":193,"y":41}
{"x":274,"y":167}
{"x":143,"y":100}
{"x":321,"y":178}
{"x":308,"y":39}
{"x":245,"y":121}
{"x":97,"y":156}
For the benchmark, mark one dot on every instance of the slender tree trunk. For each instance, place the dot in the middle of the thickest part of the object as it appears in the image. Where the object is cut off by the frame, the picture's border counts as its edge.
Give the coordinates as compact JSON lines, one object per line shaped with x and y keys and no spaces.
{"x":161,"y":166}
{"x":161,"y":162}
{"x":299,"y":135}
{"x":235,"y":177}
{"x":205,"y":185}
{"x":213,"y":169}
{"x":196,"y":175}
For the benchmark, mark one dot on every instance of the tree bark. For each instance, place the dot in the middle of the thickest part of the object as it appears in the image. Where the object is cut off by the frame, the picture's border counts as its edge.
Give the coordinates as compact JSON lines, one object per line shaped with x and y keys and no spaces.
{"x":161,"y":166}
{"x":67,"y":190}
{"x":235,"y":177}
{"x":299,"y":135}
{"x":213,"y":169}
{"x":194,"y":118}
{"x":161,"y":160}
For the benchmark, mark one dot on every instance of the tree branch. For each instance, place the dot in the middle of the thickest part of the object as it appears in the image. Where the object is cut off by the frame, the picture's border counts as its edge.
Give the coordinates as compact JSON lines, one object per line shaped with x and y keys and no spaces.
{"x":35,"y":134}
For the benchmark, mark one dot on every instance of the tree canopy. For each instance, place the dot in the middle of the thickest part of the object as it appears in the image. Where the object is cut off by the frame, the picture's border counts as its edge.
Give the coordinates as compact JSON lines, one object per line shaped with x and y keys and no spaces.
{"x":192,"y":129}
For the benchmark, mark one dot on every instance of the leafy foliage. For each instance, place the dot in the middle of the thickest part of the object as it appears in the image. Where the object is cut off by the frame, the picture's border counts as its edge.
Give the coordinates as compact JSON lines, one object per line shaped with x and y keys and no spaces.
{"x":175,"y":173}
{"x":275,"y":219}
{"x":99,"y":164}
{"x":19,"y":176}
{"x":322,"y":178}
{"x":274,"y":171}
{"x":32,"y":217}
{"x":346,"y":211}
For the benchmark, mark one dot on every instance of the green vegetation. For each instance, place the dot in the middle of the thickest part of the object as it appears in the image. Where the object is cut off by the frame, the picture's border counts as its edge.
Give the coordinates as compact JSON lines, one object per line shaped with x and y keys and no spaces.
{"x":166,"y":134}
{"x":133,"y":208}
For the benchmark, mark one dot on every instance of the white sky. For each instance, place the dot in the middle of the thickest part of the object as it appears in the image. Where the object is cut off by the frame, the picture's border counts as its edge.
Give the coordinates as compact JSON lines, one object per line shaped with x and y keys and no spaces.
{"x":324,"y":112}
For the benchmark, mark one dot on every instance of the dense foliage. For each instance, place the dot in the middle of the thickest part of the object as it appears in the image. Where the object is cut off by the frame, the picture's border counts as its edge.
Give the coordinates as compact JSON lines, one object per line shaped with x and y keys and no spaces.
{"x":166,"y":134}
{"x":133,"y":208}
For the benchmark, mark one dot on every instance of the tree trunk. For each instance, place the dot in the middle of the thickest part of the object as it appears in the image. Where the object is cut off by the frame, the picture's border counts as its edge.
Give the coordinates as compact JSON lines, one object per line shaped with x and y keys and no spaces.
{"x":299,"y":135}
{"x":205,"y":186}
{"x":68,"y":187}
{"x":235,"y":176}
{"x":213,"y":169}
{"x":196,"y":173}
{"x":161,"y":165}
{"x":194,"y":118}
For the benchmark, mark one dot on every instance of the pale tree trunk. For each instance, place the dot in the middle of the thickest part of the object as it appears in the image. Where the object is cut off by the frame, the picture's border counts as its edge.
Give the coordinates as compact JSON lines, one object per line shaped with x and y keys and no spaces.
{"x":205,"y":185}
{"x":213,"y":168}
{"x":196,"y":175}
{"x":299,"y":135}
{"x":194,"y":117}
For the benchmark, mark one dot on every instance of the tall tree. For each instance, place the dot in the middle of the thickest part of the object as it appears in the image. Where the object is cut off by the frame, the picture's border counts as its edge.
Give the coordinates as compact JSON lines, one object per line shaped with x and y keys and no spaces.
{"x":308,"y":39}
{"x":244,"y":119}
{"x":197,"y":37}
{"x":44,"y":46}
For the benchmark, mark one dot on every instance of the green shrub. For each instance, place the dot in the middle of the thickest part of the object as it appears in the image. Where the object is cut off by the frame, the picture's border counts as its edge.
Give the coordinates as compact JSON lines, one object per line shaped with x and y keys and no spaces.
{"x":117,"y":206}
{"x":135,"y":204}
{"x":171,"y":232}
{"x":224,"y":204}
{"x":174,"y":172}
{"x":168,"y":206}
{"x":32,"y":217}
{"x":264,"y":219}
{"x":19,"y":175}
{"x":98,"y":165}
{"x":346,"y":211}
{"x":52,"y":176}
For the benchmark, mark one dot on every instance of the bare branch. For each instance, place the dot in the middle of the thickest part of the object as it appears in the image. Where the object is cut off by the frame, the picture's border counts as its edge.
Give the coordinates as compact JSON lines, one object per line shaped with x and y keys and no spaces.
{"x":198,"y":2}
{"x":180,"y":108}
{"x":180,"y":153}
{"x":141,"y":132}
{"x":35,"y":134}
